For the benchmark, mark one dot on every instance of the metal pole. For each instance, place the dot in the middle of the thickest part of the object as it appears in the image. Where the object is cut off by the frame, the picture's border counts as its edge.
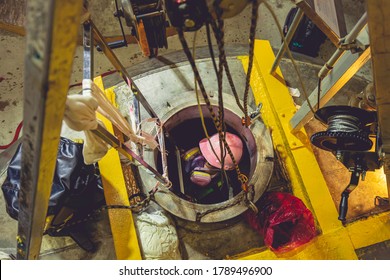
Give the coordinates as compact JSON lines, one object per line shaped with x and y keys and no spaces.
{"x":52,"y":29}
{"x":179,"y":169}
{"x":87,"y":52}
{"x":99,"y":38}
{"x":126,"y":151}
{"x":350,"y":38}
{"x":287,"y":39}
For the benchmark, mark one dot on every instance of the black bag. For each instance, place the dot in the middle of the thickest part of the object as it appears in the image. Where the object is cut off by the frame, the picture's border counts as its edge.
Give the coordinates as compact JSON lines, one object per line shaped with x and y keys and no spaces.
{"x":307,"y":38}
{"x":76,"y":191}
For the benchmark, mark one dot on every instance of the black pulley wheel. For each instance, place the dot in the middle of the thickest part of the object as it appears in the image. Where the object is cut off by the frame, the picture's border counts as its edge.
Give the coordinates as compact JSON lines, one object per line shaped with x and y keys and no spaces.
{"x":341,"y":141}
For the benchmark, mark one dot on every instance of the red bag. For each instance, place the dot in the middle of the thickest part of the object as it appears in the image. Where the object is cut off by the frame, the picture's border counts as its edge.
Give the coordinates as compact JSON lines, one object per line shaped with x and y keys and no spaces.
{"x":283,"y":220}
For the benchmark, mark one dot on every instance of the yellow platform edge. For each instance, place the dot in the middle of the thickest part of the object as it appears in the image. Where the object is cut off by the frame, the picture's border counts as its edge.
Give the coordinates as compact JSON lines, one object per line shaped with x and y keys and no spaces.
{"x":121,"y":220}
{"x":334,"y":241}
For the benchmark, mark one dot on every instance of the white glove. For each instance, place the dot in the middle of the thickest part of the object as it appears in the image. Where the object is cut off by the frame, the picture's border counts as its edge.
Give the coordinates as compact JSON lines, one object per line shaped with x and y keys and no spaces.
{"x":80,"y":116}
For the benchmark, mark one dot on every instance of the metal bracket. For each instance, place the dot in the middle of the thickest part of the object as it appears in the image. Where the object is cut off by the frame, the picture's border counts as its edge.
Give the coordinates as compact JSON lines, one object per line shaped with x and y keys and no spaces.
{"x":357,"y":45}
{"x":257,"y":113}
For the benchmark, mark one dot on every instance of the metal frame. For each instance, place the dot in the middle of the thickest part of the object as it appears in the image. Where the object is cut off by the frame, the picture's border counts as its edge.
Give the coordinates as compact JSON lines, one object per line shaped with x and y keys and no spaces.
{"x":348,"y":41}
{"x":305,"y":9}
{"x":51,"y":41}
{"x":342,"y":64}
{"x":378,"y":13}
{"x":344,"y":69}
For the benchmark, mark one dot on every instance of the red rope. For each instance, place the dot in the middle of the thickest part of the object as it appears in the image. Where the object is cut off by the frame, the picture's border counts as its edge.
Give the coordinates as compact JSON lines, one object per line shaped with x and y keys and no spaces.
{"x":16,"y":136}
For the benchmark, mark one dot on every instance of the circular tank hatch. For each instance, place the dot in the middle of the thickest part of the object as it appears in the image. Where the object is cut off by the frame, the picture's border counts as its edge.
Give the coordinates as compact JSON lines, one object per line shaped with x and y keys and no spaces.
{"x":182,"y":122}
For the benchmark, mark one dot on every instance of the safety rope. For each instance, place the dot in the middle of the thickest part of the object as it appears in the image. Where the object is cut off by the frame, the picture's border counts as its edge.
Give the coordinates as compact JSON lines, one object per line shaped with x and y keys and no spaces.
{"x":137,"y":208}
{"x":219,"y":35}
{"x":219,"y":121}
{"x":221,"y":109}
{"x":242,"y":178}
{"x":255,"y":5}
{"x":288,"y":51}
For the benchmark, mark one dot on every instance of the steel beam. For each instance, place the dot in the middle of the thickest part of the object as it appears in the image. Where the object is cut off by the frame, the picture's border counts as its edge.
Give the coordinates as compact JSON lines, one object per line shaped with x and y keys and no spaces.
{"x":379,"y":26}
{"x":52,"y":29}
{"x":344,"y":69}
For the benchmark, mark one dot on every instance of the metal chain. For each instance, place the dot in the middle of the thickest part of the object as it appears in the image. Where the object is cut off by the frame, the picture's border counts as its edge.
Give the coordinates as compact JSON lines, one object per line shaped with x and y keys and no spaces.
{"x":246,"y":197}
{"x":249,"y":198}
{"x":200,"y":215}
{"x":137,"y":207}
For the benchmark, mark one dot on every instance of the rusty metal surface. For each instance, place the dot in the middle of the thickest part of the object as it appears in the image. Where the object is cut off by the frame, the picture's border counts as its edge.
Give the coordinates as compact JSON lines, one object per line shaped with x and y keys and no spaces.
{"x":51,"y":41}
{"x":378,"y":251}
{"x":13,"y":16}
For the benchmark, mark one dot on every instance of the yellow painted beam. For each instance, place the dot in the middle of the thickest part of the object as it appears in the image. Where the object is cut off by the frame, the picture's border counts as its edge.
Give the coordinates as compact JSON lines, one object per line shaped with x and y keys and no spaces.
{"x":278,"y":107}
{"x":304,"y":173}
{"x":122,"y":224}
{"x":370,"y":231}
{"x":335,"y":240}
{"x":335,"y":245}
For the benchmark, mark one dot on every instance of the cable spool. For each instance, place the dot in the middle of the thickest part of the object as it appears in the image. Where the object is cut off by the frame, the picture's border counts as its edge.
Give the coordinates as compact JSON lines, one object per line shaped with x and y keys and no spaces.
{"x":347,"y":129}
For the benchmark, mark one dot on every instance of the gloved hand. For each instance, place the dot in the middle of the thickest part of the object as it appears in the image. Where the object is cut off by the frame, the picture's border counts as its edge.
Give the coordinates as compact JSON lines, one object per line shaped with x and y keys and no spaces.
{"x":80,"y":116}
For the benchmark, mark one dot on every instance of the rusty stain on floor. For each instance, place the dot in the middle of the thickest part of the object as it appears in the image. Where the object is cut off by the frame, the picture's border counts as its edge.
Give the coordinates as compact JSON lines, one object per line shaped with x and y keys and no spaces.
{"x":4,"y":104}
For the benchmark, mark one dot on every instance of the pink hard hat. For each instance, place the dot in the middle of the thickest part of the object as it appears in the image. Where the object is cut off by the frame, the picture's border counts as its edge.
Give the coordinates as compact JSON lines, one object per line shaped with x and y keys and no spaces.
{"x":234,"y":143}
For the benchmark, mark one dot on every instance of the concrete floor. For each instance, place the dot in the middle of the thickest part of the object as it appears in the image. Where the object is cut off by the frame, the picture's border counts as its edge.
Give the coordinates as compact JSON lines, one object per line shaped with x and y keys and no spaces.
{"x":11,"y":106}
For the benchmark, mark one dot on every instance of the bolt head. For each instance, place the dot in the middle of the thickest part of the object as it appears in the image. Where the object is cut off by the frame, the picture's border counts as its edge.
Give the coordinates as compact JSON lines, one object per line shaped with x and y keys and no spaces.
{"x":189,"y":23}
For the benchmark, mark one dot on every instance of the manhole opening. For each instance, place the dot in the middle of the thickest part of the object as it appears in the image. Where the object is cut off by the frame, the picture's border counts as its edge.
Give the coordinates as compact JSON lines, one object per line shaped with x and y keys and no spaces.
{"x":185,"y":131}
